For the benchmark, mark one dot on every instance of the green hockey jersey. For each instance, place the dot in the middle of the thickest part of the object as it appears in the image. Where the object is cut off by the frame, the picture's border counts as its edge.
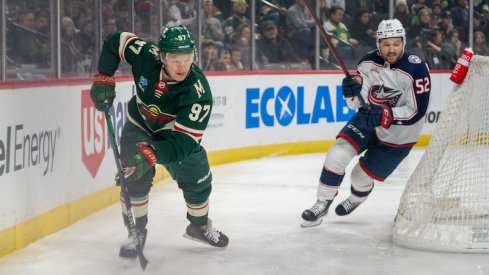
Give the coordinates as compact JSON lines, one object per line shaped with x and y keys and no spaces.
{"x":175,"y":113}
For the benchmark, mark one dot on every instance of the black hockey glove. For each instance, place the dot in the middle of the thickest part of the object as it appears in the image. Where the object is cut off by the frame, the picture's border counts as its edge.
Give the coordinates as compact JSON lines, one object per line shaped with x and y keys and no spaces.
{"x":351,"y":87}
{"x":376,"y":116}
{"x":103,"y":92}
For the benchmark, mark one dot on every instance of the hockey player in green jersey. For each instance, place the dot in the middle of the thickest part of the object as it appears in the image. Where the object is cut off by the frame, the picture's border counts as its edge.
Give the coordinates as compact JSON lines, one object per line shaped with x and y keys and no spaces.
{"x":165,"y":123}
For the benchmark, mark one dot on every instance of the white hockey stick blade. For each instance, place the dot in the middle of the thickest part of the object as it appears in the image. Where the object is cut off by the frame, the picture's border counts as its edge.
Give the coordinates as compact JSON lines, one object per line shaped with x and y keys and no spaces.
{"x":306,"y":224}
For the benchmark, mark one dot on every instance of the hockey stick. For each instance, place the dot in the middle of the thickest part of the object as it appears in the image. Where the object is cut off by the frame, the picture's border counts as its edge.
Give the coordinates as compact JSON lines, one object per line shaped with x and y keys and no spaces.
{"x":271,"y":5}
{"x":125,"y":194}
{"x":335,"y":54}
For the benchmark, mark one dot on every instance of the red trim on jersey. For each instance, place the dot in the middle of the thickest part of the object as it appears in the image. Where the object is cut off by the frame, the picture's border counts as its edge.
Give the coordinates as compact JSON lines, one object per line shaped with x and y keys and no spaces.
{"x":370,"y":174}
{"x":350,"y":140}
{"x":196,"y":135}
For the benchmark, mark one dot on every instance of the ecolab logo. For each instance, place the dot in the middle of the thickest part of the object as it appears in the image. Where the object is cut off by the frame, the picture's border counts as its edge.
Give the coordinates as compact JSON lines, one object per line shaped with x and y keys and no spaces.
{"x":286,"y":105}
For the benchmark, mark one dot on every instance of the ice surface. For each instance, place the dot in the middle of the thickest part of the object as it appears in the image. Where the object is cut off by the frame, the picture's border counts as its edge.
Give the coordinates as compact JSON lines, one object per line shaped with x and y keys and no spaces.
{"x":258,"y":204}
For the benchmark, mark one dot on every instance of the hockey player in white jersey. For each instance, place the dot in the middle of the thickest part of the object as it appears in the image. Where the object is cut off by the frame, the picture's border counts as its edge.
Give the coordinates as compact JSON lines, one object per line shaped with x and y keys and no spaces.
{"x":396,"y":87}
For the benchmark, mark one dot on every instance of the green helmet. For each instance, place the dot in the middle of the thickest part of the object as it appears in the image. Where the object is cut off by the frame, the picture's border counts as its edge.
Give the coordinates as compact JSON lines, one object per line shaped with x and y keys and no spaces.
{"x":176,"y":40}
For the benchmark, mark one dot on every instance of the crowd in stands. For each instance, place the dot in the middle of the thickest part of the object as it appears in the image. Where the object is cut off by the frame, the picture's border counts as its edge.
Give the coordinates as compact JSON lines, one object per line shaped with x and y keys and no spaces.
{"x":437,"y":31}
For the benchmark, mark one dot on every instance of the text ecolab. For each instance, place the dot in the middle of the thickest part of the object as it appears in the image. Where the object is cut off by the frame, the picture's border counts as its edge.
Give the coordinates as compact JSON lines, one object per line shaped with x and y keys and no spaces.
{"x":273,"y":106}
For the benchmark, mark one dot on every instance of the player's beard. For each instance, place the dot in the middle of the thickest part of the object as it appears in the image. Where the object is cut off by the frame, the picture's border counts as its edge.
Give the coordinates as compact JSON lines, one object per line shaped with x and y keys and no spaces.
{"x":393,"y":58}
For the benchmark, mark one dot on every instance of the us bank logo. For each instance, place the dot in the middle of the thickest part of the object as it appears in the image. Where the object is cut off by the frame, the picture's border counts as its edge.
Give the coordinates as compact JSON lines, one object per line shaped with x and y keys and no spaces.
{"x":286,"y":106}
{"x":93,"y":132}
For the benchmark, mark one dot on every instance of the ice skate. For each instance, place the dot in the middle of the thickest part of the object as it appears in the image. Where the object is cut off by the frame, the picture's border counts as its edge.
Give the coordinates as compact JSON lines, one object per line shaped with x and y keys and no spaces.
{"x":314,"y":215}
{"x":128,"y":248}
{"x":210,"y":236}
{"x":347,"y":206}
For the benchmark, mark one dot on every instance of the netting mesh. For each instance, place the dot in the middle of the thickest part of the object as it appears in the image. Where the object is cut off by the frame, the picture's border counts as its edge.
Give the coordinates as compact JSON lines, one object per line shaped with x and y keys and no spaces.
{"x":445,"y":205}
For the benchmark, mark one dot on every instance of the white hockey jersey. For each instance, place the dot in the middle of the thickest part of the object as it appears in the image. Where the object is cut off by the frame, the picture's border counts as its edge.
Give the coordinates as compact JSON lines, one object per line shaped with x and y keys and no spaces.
{"x":404,"y":86}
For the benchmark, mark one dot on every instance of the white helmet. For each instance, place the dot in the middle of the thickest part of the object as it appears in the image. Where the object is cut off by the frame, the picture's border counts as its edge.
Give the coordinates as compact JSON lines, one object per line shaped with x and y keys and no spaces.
{"x":390,"y":28}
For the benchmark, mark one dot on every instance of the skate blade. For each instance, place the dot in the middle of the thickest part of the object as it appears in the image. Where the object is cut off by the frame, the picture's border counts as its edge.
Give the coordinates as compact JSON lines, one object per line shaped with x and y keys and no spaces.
{"x":194,"y":239}
{"x":306,"y":224}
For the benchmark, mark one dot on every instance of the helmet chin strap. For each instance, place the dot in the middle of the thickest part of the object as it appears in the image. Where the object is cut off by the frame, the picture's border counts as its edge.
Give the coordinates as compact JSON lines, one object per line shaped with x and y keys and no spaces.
{"x":163,"y":63}
{"x":168,"y":74}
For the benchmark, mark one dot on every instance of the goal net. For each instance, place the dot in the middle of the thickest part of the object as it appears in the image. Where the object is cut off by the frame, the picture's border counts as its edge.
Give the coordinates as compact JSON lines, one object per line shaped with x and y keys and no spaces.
{"x":445,"y":205}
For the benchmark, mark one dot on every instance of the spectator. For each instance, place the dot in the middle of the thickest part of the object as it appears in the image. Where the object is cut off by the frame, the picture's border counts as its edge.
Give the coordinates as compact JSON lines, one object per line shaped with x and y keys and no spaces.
{"x":332,"y":3}
{"x":417,"y":5}
{"x":41,"y":24}
{"x":73,"y":11}
{"x":27,"y":45}
{"x":236,"y":64}
{"x":272,"y":48}
{"x":108,"y":9}
{"x":478,"y":22}
{"x":85,"y":40}
{"x":210,"y":61}
{"x":241,"y":40}
{"x":278,"y":14}
{"x":110,"y":25}
{"x":121,"y":10}
{"x":70,"y":55}
{"x":43,"y":37}
{"x":363,"y":31}
{"x":401,"y":12}
{"x":460,"y":14}
{"x":380,"y":10}
{"x":435,"y":15}
{"x":485,"y":16}
{"x":301,"y":29}
{"x":225,"y":6}
{"x":354,"y":5}
{"x":86,"y":8}
{"x":436,"y":55}
{"x":143,"y":11}
{"x":182,"y":12}
{"x":446,"y":24}
{"x":422,"y":23}
{"x":211,"y":26}
{"x":224,"y":59}
{"x":480,"y":44}
{"x":342,"y":39}
{"x":454,"y":45}
{"x":139,"y":29}
{"x":238,"y":18}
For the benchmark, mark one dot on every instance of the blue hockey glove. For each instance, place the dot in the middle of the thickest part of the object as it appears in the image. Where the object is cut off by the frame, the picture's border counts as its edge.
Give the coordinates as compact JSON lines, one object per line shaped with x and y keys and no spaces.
{"x":351,"y":87}
{"x":376,"y":116}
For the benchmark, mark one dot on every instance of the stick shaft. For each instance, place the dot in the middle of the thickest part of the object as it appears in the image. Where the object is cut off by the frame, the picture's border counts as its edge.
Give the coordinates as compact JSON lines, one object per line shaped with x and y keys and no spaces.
{"x":125,"y":194}
{"x":335,"y":54}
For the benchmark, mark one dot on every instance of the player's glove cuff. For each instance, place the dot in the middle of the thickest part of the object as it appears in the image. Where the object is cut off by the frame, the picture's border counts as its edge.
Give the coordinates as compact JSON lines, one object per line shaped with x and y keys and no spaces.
{"x":148,"y":152}
{"x":104,"y":79}
{"x":387,"y":117}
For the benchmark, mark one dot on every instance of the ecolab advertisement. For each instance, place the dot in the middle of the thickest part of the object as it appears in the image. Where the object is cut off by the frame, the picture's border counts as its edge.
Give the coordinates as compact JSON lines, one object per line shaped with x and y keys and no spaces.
{"x":273,"y":109}
{"x":54,"y":145}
